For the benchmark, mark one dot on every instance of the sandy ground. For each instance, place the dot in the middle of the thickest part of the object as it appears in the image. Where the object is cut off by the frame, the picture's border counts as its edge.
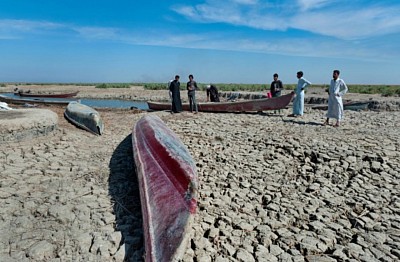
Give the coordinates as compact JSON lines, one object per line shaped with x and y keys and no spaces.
{"x":272,"y":188}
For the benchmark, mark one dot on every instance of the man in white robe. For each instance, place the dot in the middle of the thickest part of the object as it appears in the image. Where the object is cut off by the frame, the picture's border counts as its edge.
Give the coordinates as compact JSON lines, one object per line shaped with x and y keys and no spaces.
{"x":337,"y":89}
{"x":298,"y":102}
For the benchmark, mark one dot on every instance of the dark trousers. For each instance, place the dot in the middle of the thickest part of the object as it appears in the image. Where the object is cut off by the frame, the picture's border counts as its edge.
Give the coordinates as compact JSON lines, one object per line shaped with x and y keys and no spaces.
{"x":192,"y":101}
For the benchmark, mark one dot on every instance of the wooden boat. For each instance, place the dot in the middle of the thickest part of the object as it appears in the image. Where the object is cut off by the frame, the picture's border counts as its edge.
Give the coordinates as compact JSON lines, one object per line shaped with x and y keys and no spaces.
{"x":16,"y":100}
{"x":4,"y":106}
{"x":355,"y":106}
{"x":168,"y":187}
{"x":65,"y":95}
{"x":263,"y":104}
{"x":84,"y":117}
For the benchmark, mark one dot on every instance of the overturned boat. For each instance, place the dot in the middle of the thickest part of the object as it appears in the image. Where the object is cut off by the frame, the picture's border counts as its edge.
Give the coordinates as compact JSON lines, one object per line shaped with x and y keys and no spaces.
{"x":84,"y":117}
{"x":4,"y":106}
{"x":168,"y":188}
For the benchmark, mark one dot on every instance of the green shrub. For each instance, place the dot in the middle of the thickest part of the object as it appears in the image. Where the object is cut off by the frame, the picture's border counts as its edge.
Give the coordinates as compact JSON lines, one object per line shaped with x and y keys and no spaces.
{"x":101,"y":86}
{"x":155,"y":86}
{"x":385,"y":90}
{"x":113,"y":85}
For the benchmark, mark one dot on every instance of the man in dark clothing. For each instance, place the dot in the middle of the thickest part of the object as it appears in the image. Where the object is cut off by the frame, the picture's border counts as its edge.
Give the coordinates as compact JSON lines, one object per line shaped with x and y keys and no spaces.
{"x":212,"y":93}
{"x":276,"y":86}
{"x":191,"y":86}
{"x":174,"y":88}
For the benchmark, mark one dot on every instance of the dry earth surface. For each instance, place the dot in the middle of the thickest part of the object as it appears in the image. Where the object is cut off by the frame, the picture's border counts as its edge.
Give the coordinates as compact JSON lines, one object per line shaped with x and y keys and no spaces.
{"x":272,"y":188}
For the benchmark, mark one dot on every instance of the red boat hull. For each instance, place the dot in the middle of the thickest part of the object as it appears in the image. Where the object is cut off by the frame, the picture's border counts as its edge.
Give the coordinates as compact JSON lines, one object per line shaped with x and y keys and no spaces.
{"x":264,"y":104}
{"x":48,"y":95}
{"x":168,"y":186}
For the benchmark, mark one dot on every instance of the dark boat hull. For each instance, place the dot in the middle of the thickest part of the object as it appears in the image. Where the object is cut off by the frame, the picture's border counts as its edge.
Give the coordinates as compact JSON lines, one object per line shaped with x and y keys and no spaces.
{"x":66,"y":95}
{"x":264,"y":104}
{"x":27,"y":100}
{"x":354,"y":106}
{"x":168,"y":185}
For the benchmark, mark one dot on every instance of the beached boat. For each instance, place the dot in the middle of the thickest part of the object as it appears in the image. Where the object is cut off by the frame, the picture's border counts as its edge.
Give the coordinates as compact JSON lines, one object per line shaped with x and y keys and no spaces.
{"x":63,"y":95}
{"x":263,"y":104}
{"x":355,"y":106}
{"x":35,"y":100}
{"x":84,"y":117}
{"x":4,"y":106}
{"x":168,"y":188}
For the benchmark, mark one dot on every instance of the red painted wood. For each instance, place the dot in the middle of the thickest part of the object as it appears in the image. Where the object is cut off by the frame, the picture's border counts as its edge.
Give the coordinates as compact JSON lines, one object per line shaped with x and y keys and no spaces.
{"x":168,"y":186}
{"x":264,"y":104}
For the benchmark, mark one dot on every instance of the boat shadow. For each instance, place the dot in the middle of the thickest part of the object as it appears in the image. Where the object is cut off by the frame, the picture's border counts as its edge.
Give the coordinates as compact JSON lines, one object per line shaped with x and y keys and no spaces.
{"x":124,"y":191}
{"x":299,"y":122}
{"x":262,"y":113}
{"x":270,"y":113}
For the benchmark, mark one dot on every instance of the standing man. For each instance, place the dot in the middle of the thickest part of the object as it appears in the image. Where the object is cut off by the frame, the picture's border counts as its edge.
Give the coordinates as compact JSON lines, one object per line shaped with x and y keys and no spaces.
{"x":337,"y":89}
{"x":298,"y":103}
{"x":276,"y":86}
{"x":191,"y":86}
{"x":174,"y":89}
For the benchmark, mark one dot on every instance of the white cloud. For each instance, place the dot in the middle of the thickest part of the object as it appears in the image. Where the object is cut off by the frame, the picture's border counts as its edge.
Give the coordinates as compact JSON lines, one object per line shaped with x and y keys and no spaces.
{"x":220,"y":12}
{"x":12,"y":29}
{"x":17,"y":29}
{"x":315,"y":47}
{"x":344,"y":26}
{"x":231,"y":14}
{"x":246,"y":2}
{"x":312,"y":4}
{"x":351,"y":24}
{"x":26,"y":25}
{"x":187,"y":11}
{"x":339,"y":19}
{"x":97,"y":32}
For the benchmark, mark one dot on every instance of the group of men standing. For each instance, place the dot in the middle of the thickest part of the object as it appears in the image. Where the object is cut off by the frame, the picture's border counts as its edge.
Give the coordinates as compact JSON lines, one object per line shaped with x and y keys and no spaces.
{"x":175,"y":94}
{"x":191,"y":86}
{"x":336,"y":90}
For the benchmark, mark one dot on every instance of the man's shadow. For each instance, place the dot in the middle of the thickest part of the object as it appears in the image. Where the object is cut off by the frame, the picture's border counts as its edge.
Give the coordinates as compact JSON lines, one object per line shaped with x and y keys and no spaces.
{"x":124,"y":191}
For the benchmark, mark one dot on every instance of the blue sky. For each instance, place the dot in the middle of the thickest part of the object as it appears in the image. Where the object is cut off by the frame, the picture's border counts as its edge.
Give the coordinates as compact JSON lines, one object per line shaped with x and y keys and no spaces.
{"x":231,"y":41}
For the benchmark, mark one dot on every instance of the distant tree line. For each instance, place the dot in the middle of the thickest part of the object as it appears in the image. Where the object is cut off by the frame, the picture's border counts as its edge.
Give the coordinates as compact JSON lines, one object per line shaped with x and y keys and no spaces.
{"x":384,"y":90}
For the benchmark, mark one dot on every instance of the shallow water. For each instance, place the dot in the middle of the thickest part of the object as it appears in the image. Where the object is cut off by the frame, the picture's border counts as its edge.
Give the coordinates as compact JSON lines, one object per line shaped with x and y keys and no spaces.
{"x":97,"y":103}
{"x":114,"y":103}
